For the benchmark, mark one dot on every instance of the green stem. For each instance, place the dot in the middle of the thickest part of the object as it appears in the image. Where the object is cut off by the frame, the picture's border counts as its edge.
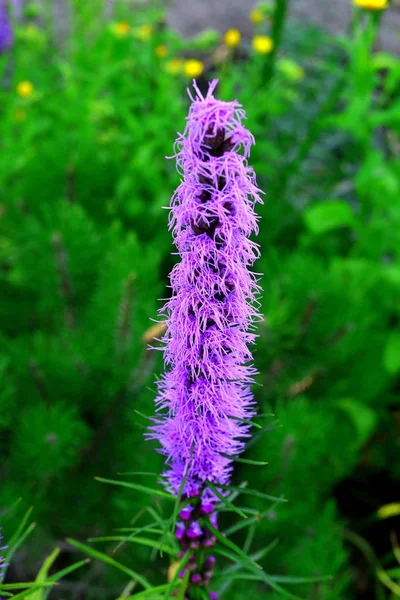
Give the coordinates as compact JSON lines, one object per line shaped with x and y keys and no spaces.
{"x":278,"y":24}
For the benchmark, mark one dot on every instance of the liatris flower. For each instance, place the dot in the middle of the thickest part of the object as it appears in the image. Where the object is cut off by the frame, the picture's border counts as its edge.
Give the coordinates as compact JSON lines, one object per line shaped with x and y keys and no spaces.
{"x":204,"y":397}
{"x":6,"y":30}
{"x":2,"y":563}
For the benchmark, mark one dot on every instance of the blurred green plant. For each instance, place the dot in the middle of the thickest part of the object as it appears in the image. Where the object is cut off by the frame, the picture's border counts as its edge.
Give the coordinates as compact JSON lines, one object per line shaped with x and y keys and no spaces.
{"x":85,"y":124}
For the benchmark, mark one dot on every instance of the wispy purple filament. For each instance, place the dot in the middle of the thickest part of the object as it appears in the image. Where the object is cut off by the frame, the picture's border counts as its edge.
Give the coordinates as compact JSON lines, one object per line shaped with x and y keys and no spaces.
{"x":204,"y":397}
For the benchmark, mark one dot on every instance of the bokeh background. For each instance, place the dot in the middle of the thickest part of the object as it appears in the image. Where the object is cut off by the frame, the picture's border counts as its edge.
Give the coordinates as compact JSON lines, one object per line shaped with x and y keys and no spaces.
{"x":92,"y":96}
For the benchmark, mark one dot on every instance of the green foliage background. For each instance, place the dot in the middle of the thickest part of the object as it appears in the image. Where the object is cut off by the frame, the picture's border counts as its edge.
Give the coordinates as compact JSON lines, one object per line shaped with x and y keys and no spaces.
{"x":85,"y":254}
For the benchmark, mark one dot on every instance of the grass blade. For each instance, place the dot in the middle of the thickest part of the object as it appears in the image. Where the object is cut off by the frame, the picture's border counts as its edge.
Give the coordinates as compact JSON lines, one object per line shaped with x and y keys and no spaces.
{"x":225,"y":500}
{"x":110,"y":561}
{"x":137,"y":487}
{"x":136,"y":540}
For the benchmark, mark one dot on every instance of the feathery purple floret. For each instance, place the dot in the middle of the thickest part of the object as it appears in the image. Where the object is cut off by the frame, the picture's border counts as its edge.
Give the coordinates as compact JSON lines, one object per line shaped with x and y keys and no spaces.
{"x":204,"y":397}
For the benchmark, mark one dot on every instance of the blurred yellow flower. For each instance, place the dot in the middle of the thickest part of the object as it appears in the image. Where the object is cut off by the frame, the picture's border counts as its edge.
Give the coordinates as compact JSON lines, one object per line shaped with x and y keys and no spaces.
{"x":121,"y":29}
{"x":161,"y":50}
{"x":145,"y":32}
{"x":371,"y":4}
{"x":262,"y":44}
{"x":193,"y":67}
{"x":25,"y":89}
{"x":232,"y":38}
{"x":19,"y":115}
{"x":174,"y":66}
{"x":290,"y":69}
{"x":256,"y":16}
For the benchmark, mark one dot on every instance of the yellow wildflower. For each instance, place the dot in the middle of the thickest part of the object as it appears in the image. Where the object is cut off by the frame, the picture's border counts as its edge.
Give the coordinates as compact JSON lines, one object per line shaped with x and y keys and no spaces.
{"x":262,"y":44}
{"x":371,"y":4}
{"x":145,"y":32}
{"x":25,"y":89}
{"x":256,"y":16}
{"x":121,"y":29}
{"x":174,"y":66}
{"x":290,"y":69}
{"x":161,"y":50}
{"x":232,"y":38}
{"x":193,"y":67}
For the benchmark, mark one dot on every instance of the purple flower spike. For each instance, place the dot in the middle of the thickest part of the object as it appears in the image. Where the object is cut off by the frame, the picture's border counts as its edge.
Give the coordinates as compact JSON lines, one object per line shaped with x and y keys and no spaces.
{"x":179,"y":531}
{"x":194,"y":531}
{"x":6,"y":30}
{"x":204,"y":396}
{"x":186,"y":512}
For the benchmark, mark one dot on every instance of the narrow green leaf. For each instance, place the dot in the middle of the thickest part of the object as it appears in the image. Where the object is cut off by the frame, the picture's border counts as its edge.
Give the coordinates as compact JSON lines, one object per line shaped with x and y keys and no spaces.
{"x":178,"y":498}
{"x":19,"y":541}
{"x":21,"y":527}
{"x":261,"y":575}
{"x":110,"y":561}
{"x":227,"y":542}
{"x":251,"y":492}
{"x":246,"y":421}
{"x":44,"y":570}
{"x":225,"y":500}
{"x":60,"y":574}
{"x":246,"y":461}
{"x":136,"y":540}
{"x":34,"y":585}
{"x":147,"y":593}
{"x":295,"y":580}
{"x":137,"y":487}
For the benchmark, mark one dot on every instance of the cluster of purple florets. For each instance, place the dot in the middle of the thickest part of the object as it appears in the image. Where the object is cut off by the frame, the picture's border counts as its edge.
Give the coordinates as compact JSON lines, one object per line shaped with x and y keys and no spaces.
{"x":195,"y":536}
{"x":204,"y":398}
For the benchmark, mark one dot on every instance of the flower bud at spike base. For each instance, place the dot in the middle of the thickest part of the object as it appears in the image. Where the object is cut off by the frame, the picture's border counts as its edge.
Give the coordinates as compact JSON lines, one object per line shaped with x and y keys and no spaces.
{"x":206,"y":508}
{"x":196,"y":578}
{"x":213,"y":596}
{"x":186,"y":512}
{"x":179,"y":531}
{"x":194,"y":531}
{"x":209,"y":563}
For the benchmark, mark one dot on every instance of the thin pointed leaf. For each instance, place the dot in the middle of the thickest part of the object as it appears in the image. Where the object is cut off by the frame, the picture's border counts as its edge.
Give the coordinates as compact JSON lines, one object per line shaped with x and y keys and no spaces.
{"x":21,"y":527}
{"x":60,"y":574}
{"x":246,"y":490}
{"x":257,"y":573}
{"x":179,"y":496}
{"x":225,"y":500}
{"x":110,"y":561}
{"x":21,"y":538}
{"x":147,"y":593}
{"x":246,"y":461}
{"x":137,"y":487}
{"x":227,"y":542}
{"x":136,"y":540}
{"x":33,"y":585}
{"x":44,"y":570}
